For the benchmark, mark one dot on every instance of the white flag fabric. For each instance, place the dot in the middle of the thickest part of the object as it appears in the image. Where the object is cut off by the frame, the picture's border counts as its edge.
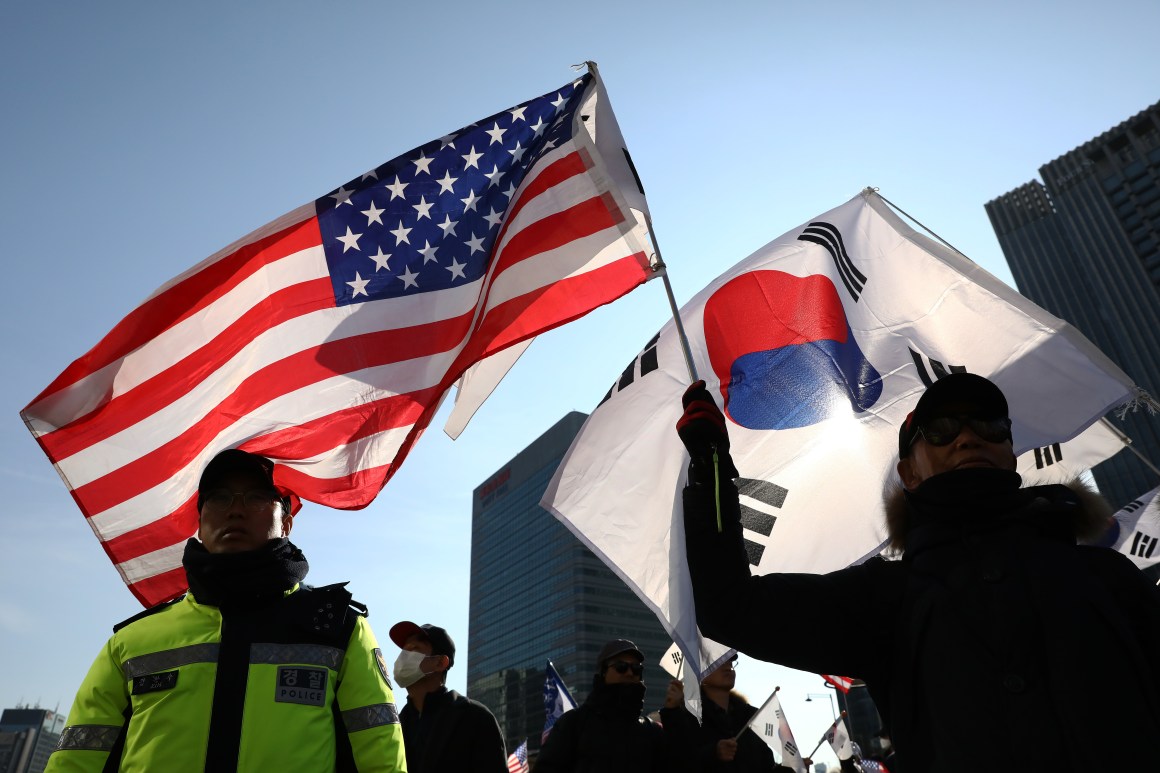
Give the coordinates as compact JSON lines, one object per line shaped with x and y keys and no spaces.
{"x":1138,"y":523}
{"x":818,"y":345}
{"x":771,"y":726}
{"x":1063,"y":462}
{"x":477,"y":383}
{"x":839,"y":739}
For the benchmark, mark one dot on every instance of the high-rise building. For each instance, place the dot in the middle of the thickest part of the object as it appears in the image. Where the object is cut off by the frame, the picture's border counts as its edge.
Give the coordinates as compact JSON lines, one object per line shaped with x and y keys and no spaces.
{"x":538,"y":594}
{"x":1085,"y":245}
{"x":27,"y":737}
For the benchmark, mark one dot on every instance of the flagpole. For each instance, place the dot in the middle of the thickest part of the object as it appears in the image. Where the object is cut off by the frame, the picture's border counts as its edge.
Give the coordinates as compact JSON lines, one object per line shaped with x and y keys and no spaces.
{"x":660,"y":268}
{"x":1127,"y":441}
{"x":757,"y":713}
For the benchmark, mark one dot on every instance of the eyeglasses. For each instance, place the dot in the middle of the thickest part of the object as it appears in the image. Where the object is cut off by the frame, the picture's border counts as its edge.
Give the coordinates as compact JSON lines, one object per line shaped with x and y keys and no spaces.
{"x":621,"y":667}
{"x":943,"y":430}
{"x":254,"y":500}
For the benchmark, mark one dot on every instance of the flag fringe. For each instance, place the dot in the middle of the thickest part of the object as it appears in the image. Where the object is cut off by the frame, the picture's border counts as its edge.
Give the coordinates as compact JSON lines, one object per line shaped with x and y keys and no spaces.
{"x":1141,"y":400}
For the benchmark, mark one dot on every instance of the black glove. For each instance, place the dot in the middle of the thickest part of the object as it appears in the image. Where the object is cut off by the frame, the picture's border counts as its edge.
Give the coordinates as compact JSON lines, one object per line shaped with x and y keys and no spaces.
{"x":702,"y":429}
{"x":702,"y":425}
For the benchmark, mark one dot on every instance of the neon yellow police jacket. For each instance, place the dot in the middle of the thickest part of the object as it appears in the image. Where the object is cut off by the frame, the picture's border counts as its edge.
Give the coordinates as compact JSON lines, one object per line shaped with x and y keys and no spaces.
{"x":299,"y":685}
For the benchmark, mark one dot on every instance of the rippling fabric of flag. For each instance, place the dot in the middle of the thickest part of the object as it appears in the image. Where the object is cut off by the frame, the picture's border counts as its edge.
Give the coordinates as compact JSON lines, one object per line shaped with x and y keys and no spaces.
{"x":517,"y":761}
{"x":327,"y":339}
{"x":816,"y":347}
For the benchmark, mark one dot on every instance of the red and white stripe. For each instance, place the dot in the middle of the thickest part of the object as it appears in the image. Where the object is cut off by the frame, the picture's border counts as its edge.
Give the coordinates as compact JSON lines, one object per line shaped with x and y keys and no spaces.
{"x":249,"y":350}
{"x":843,"y":683}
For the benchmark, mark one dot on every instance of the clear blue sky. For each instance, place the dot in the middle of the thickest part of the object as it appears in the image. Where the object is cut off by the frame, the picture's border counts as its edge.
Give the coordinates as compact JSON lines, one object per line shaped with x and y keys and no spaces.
{"x":139,"y":138}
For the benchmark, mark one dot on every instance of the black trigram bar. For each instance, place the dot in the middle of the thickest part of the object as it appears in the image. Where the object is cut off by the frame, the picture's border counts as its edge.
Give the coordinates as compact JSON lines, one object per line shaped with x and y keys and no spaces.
{"x":754,"y":520}
{"x":763,"y":491}
{"x":1143,"y":545}
{"x":648,"y":363}
{"x":1047,"y":456}
{"x":753,"y":552}
{"x":937,"y":369}
{"x":829,"y":237}
{"x":1133,"y":506}
{"x":757,"y":521}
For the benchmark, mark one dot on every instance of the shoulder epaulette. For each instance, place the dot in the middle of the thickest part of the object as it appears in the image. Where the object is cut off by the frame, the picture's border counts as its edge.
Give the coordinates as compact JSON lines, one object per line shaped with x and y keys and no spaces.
{"x":338,"y":594}
{"x":147,"y":613}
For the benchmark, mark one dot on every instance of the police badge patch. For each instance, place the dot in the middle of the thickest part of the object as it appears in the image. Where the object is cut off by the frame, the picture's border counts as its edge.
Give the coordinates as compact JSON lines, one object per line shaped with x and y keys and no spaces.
{"x":301,"y":685}
{"x":382,"y":662}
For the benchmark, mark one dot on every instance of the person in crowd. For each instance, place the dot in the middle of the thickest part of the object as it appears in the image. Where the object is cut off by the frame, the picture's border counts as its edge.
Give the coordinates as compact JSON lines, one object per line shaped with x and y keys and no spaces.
{"x":445,"y":732}
{"x":608,"y":733}
{"x":717,"y":744}
{"x":251,"y":670}
{"x":994,"y":613}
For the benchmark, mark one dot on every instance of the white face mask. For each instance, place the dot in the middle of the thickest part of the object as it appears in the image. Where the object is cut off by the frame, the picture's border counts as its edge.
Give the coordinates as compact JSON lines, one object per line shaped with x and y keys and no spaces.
{"x":407,"y":668}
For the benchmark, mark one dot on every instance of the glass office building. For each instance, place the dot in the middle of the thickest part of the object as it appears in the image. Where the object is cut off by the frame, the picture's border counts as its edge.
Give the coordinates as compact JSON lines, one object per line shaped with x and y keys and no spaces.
{"x":1085,"y":245}
{"x":27,"y":737}
{"x":538,"y":594}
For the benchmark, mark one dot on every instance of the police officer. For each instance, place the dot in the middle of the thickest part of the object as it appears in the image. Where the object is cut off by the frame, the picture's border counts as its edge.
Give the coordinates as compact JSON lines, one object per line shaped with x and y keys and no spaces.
{"x":250,"y":670}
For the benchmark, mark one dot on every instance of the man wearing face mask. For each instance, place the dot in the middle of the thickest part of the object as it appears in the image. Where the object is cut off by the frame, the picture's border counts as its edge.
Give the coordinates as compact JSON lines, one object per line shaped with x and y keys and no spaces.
{"x":607,"y":733}
{"x":252,"y":670}
{"x":445,"y":732}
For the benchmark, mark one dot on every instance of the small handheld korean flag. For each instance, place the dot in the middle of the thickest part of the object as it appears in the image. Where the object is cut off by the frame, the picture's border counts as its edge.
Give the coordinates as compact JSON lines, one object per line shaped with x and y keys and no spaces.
{"x":839,"y":739}
{"x":1138,"y":531}
{"x":771,"y":726}
{"x":673,"y":661}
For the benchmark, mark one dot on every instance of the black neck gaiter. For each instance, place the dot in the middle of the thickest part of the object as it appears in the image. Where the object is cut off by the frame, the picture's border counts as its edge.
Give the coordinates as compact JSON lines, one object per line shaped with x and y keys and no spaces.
{"x":243,"y":579}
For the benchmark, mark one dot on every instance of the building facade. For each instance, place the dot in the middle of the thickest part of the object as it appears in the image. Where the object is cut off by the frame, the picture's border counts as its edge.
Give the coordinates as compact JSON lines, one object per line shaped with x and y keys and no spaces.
{"x":538,"y":594}
{"x":27,"y":737}
{"x":1085,"y":244}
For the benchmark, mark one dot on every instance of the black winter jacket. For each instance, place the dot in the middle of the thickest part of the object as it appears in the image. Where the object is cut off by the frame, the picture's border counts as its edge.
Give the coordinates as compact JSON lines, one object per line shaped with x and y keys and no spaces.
{"x":607,"y":734}
{"x":995,"y":638}
{"x":454,"y":734}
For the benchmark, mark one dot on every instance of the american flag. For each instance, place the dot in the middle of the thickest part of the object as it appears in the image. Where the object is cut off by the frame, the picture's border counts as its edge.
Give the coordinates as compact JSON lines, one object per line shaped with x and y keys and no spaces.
{"x":518,"y":760}
{"x":843,"y":683}
{"x":327,"y":339}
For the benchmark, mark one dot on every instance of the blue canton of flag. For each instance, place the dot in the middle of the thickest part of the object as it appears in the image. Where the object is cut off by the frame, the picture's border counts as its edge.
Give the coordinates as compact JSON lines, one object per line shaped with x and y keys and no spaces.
{"x":428,"y":219}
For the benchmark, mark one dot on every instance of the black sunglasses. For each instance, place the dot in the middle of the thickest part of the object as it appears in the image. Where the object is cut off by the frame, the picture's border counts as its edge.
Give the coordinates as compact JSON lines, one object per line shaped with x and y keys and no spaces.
{"x":943,"y":430}
{"x":621,"y":667}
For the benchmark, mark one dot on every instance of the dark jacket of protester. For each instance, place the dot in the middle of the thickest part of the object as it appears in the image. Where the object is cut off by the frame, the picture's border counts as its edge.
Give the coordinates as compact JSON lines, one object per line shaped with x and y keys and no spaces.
{"x":607,"y":734}
{"x":717,"y":724}
{"x":995,"y":631}
{"x":453,"y":734}
{"x":250,"y":671}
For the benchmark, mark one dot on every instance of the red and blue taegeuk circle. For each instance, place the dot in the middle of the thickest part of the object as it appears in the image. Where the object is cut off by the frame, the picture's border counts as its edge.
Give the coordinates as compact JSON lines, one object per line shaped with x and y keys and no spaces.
{"x":782,"y":348}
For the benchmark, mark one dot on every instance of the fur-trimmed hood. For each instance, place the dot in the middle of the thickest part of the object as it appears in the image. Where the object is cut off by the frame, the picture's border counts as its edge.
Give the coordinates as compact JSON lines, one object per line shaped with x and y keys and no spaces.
{"x":1090,"y":520}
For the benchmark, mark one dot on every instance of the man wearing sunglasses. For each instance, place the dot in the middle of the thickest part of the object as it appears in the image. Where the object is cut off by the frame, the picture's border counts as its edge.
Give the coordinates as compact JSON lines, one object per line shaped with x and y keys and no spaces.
{"x":608,"y":732}
{"x":252,"y":670}
{"x":994,"y":626}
